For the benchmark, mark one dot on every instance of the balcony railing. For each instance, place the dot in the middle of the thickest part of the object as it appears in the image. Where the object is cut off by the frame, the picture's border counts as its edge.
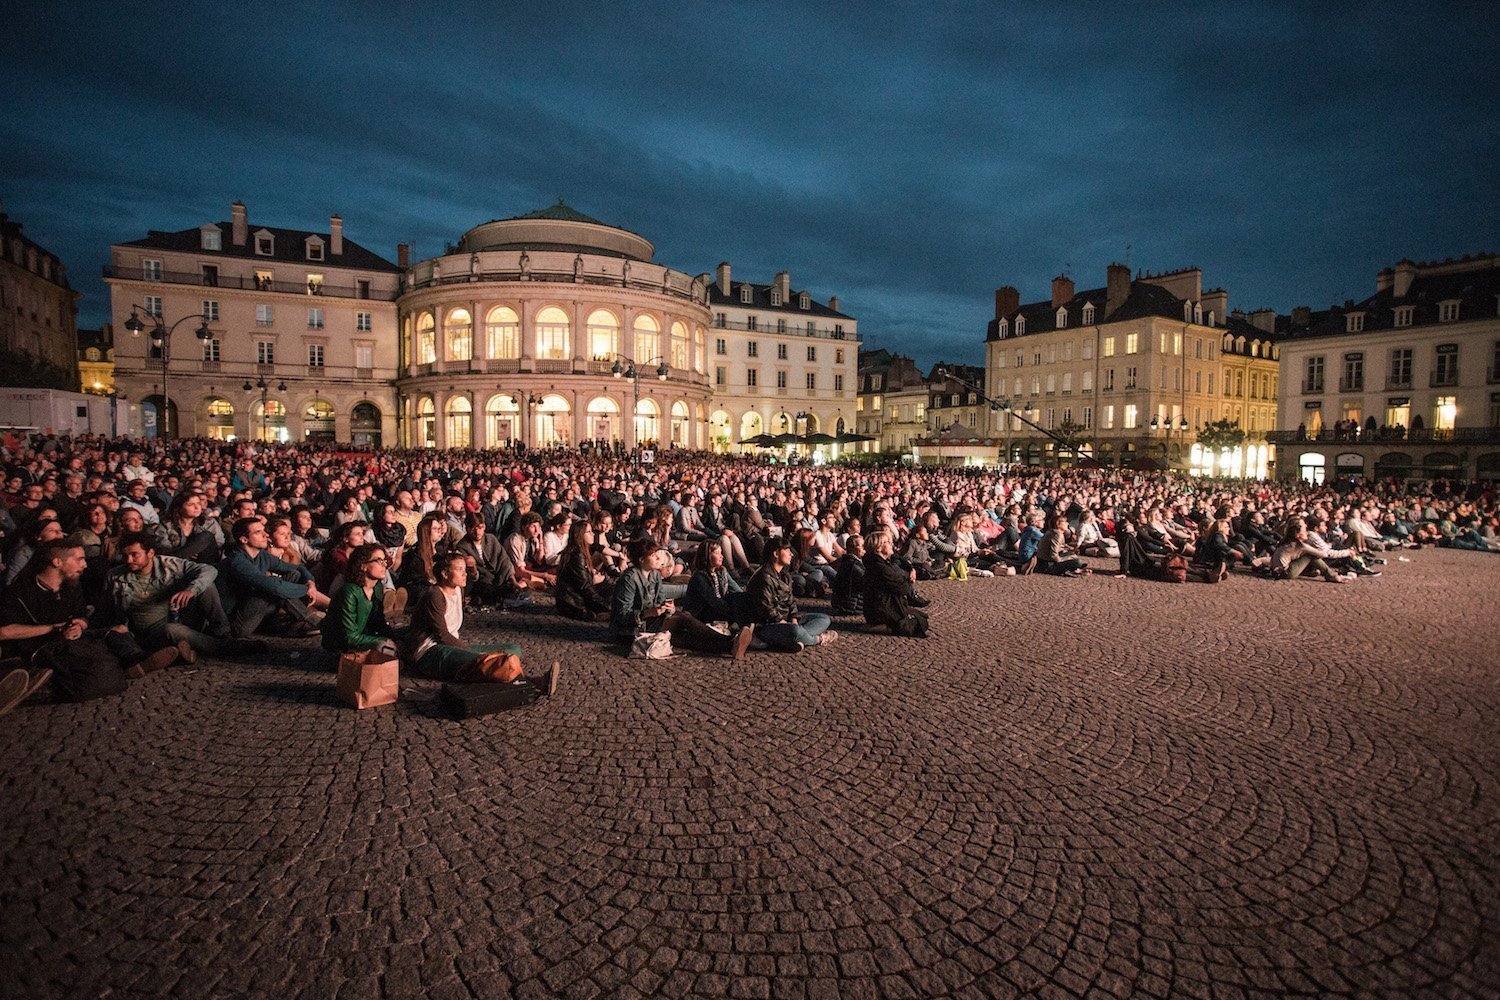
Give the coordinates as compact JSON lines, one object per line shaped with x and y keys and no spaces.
{"x":818,"y":332}
{"x":1352,"y":384}
{"x":151,"y":368}
{"x":252,"y":284}
{"x":1438,"y":381}
{"x":1398,"y":382}
{"x":1312,"y":385}
{"x":1387,"y":435}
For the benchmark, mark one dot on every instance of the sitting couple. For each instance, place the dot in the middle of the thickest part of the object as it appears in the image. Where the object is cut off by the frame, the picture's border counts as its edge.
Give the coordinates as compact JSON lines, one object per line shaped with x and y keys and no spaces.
{"x":431,"y":646}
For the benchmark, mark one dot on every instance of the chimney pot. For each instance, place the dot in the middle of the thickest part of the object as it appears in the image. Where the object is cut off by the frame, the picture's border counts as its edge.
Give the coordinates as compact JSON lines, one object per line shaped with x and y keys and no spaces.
{"x":722,"y":277}
{"x":240,"y":224}
{"x":784,"y":285}
{"x":1007,"y":301}
{"x":1406,"y":273}
{"x":336,"y":235}
{"x":403,"y":255}
{"x":833,"y":303}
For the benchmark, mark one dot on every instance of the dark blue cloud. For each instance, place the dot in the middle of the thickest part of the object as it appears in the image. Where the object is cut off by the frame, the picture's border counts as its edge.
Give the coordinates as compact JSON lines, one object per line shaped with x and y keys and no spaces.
{"x":908,"y":159}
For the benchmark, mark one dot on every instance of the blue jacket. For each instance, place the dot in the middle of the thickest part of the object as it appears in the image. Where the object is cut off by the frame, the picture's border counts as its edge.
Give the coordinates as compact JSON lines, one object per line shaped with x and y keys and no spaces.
{"x":1031,"y":538}
{"x":240,"y":576}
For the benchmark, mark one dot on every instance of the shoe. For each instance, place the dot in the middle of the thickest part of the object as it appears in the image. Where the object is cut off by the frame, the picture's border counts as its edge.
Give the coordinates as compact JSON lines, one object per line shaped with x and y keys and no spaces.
{"x":553,"y":672}
{"x":742,"y":640}
{"x":1370,"y":572}
{"x":13,"y":688}
{"x":305,"y":630}
{"x":1010,"y":571}
{"x":38,"y":679}
{"x":159,"y":660}
{"x":1377,"y":561}
{"x":918,"y":601}
{"x":827,"y":637}
{"x":186,"y":653}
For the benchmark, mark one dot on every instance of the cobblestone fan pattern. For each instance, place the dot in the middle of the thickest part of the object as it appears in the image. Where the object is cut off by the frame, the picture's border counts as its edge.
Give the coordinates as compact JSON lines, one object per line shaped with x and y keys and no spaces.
{"x":1097,"y":788}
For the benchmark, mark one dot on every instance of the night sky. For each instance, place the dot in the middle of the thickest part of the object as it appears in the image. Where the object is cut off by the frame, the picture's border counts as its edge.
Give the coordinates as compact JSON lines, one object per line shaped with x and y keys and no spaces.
{"x":908,"y":160}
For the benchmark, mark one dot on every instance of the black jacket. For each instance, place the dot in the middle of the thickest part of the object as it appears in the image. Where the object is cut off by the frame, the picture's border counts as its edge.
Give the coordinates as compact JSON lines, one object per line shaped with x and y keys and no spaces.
{"x":887,"y":590}
{"x":576,"y":595}
{"x":769,"y":597}
{"x":849,"y":585}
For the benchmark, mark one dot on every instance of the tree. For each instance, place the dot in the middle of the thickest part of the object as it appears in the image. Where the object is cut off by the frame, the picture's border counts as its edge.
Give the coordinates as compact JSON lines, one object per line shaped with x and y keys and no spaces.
{"x":23,"y":370}
{"x":1216,"y":435}
{"x":1072,"y":437}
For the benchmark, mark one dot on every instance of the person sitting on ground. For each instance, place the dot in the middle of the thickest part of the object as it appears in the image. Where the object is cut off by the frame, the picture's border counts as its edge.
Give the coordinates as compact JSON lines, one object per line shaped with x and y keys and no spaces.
{"x":1053,"y":555}
{"x":37,"y":532}
{"x":491,"y":578}
{"x":889,"y":589}
{"x":188,"y":532}
{"x":580,"y":593}
{"x":254,"y":585}
{"x":433,"y":647}
{"x":849,"y":580}
{"x":524,"y":547}
{"x":136,"y":499}
{"x":643,"y":604}
{"x":712,"y":593}
{"x":1294,"y":555}
{"x":419,"y":565}
{"x":356,"y":621}
{"x":772,"y":608}
{"x":329,"y":572}
{"x":167,"y":601}
{"x":1092,"y":541}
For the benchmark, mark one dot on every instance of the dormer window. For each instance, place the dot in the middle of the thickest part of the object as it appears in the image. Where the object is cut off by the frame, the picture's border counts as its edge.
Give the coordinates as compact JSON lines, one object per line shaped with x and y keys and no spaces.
{"x":1448,"y":311}
{"x":1354,"y":322}
{"x":1187,"y":311}
{"x":1198,"y":312}
{"x":745,"y":294}
{"x":265,"y":244}
{"x":1403,"y":315}
{"x":1210,"y":317}
{"x":1062,"y":318}
{"x":314,"y":249}
{"x":1088,"y":313}
{"x":209,"y":238}
{"x":1004,"y":328}
{"x":775,"y":296}
{"x":802,"y":300}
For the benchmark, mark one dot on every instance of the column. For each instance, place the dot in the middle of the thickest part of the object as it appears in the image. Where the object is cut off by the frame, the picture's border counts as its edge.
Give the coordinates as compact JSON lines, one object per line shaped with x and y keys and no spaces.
{"x":528,"y":336}
{"x":580,"y":341}
{"x":440,"y":421}
{"x":478,"y":350}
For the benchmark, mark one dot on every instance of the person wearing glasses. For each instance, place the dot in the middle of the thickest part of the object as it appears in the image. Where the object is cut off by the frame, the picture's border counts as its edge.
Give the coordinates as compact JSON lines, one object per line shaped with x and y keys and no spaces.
{"x":355,"y":621}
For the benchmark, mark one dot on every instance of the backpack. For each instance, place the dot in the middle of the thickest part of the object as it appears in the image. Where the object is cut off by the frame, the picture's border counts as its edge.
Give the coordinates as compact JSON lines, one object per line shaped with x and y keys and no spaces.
{"x":1174,"y":570}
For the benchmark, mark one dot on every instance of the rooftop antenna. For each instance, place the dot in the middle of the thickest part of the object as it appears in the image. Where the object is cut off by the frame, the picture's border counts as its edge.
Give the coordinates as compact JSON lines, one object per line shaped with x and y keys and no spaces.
{"x":1127,"y":254}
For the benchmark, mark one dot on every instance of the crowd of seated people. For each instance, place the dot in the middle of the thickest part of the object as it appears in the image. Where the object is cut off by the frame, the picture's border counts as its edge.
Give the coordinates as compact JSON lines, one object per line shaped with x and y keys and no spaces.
{"x":124,"y":557}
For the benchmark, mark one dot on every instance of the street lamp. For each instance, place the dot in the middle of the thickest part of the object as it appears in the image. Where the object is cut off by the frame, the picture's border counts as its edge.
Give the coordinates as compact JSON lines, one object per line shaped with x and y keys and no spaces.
{"x":619,"y":370}
{"x":1182,"y":425}
{"x":260,"y":383}
{"x":161,"y":336}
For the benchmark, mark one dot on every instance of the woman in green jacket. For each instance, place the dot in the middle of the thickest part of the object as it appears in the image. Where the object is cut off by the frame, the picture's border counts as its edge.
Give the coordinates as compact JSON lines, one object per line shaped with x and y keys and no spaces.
{"x":355,"y":621}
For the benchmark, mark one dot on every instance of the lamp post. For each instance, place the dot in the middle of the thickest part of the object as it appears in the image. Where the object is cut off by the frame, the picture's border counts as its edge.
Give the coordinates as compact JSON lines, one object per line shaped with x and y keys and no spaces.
{"x":619,"y":370}
{"x":161,"y":335}
{"x":1182,"y":425}
{"x":260,"y":383}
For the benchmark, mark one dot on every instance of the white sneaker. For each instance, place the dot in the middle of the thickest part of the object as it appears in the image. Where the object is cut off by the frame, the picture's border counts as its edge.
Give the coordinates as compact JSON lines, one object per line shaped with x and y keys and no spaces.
{"x":827,"y":637}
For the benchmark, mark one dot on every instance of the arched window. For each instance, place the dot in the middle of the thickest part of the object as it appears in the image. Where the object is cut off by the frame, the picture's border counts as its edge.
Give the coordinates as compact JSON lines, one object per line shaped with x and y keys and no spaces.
{"x":502,"y":333}
{"x":426,"y":423}
{"x":459,"y":327}
{"x":647,"y":421}
{"x":426,"y":339}
{"x":221,"y":419}
{"x":680,"y":424}
{"x":552,"y":329}
{"x":502,"y":420}
{"x":679,"y":347}
{"x":403,"y":348}
{"x":750,"y":426}
{"x":700,"y":355}
{"x":647,"y":339}
{"x":604,"y":335}
{"x":604,"y":419}
{"x":554,"y":419}
{"x":317,"y":421}
{"x":272,"y":420}
{"x":364,"y":425}
{"x":460,"y":426}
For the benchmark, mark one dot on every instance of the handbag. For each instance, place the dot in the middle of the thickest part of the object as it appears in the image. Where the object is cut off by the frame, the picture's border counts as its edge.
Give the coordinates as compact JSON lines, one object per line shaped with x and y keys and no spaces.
{"x":369,"y":678}
{"x":498,"y":668}
{"x":958,"y":569}
{"x":651,"y":646}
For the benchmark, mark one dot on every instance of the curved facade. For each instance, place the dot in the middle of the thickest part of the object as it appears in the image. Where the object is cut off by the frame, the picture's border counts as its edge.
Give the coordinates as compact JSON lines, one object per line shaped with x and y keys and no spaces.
{"x":512,"y":337}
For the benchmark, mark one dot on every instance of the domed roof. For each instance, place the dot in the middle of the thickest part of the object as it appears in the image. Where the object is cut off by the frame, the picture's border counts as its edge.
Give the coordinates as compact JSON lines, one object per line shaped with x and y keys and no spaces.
{"x":557,"y":227}
{"x":561,"y":213}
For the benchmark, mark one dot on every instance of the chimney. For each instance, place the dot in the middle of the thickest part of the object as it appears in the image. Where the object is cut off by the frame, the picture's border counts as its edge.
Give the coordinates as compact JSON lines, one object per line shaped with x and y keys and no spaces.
{"x":1117,"y":288}
{"x":784,"y":285}
{"x":1264,"y":319}
{"x":1301,"y":317}
{"x":240,"y":224}
{"x":1007,"y":301}
{"x":1062,"y":290}
{"x":833,"y":303}
{"x":722,"y":277}
{"x":1406,"y":271}
{"x":403,"y":255}
{"x":1384,"y":280}
{"x":336,"y":235}
{"x":1216,"y":301}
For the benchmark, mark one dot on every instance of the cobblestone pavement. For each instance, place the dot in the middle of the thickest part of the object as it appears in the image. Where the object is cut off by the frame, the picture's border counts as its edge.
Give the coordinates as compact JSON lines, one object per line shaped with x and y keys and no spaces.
{"x":1094,"y":788}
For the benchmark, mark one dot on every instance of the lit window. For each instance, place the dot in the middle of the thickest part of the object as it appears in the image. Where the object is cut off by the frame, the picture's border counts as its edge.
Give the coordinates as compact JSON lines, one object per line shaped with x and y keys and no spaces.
{"x":552,"y":334}
{"x":1130,"y":416}
{"x":502,"y":333}
{"x":426,"y":339}
{"x":1131,"y":343}
{"x":604,"y":335}
{"x":458,"y":326}
{"x":679,"y":346}
{"x":1109,"y":348}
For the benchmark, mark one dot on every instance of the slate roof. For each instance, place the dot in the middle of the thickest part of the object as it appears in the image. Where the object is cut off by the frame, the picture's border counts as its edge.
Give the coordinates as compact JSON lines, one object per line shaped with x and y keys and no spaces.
{"x":1145,"y":299}
{"x":561,"y":213}
{"x":10,"y":233}
{"x":1475,"y":290}
{"x":760,"y":298}
{"x":290,"y":247}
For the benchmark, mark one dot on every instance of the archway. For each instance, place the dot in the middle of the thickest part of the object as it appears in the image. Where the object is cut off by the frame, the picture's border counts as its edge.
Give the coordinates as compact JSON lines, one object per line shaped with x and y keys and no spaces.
{"x":426,"y":423}
{"x":603,"y":420}
{"x":647,"y":422}
{"x":554,"y":427}
{"x":460,"y":423}
{"x":271,"y":421}
{"x":719,"y":430}
{"x":680,"y":424}
{"x":501,"y":420}
{"x":317,"y":421}
{"x":220,"y":421}
{"x":364,"y":425}
{"x":750,"y":426}
{"x":160,"y":420}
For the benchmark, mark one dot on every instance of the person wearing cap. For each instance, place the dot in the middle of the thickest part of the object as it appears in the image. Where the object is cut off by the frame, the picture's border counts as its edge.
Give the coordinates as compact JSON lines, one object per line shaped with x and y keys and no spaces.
{"x":771,"y":607}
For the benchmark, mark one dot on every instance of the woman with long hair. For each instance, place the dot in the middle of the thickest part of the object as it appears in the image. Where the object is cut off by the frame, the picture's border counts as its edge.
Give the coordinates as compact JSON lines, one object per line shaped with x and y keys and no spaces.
{"x":578,"y":592}
{"x":188,"y":532}
{"x":711,"y":592}
{"x":420,"y":565}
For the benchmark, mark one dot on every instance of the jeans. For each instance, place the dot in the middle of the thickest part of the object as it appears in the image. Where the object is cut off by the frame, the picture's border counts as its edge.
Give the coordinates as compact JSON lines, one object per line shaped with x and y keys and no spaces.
{"x":805,"y":631}
{"x":254,"y":609}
